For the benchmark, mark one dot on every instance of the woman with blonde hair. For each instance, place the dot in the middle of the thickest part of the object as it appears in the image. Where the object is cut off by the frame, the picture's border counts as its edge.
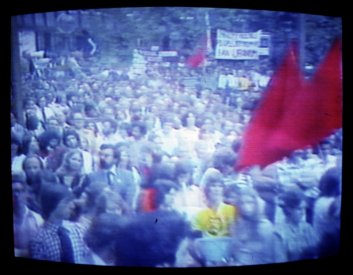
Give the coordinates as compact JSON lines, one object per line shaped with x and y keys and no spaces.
{"x":70,"y":173}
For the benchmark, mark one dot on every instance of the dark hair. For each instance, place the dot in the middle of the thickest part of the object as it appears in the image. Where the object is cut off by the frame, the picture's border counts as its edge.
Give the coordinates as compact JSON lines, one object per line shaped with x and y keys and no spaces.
{"x":18,"y":177}
{"x":104,"y":228}
{"x":222,"y":158}
{"x":46,"y":137}
{"x":70,"y":132}
{"x":51,"y":195}
{"x":150,"y":239}
{"x":163,"y":187}
{"x":329,"y":183}
{"x":163,"y":170}
{"x":183,"y":167}
{"x":15,"y":139}
{"x":140,"y":125}
{"x":292,"y":198}
{"x":32,"y":122}
{"x":32,"y":156}
{"x":105,"y":146}
{"x":112,"y":122}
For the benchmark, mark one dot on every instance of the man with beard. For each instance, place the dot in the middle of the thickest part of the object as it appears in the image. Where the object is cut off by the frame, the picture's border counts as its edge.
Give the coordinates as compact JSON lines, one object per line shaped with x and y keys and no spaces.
{"x":113,"y":178}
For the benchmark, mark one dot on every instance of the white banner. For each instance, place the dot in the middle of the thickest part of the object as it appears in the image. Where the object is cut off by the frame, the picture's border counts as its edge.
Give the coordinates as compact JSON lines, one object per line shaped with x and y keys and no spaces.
{"x":237,"y":46}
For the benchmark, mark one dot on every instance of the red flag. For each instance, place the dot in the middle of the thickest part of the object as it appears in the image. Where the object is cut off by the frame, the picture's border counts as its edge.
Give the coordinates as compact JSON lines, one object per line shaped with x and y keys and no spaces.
{"x":280,"y":93}
{"x":197,"y":59}
{"x":304,"y":113}
{"x":316,"y":110}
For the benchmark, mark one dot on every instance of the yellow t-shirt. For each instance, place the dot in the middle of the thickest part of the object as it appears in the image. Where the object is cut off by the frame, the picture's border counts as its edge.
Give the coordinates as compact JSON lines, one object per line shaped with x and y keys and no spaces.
{"x":215,"y":223}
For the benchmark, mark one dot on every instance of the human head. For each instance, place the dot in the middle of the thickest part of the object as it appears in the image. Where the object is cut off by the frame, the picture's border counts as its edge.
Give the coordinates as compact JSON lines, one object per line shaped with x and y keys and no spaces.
{"x":107,"y":156}
{"x":105,"y":227}
{"x":19,"y":189}
{"x":213,"y":185}
{"x":329,"y":183}
{"x":71,"y":139}
{"x":293,"y":204}
{"x":165,"y":193}
{"x":224,"y":160}
{"x":73,"y":160}
{"x":57,"y":199}
{"x":32,"y":165}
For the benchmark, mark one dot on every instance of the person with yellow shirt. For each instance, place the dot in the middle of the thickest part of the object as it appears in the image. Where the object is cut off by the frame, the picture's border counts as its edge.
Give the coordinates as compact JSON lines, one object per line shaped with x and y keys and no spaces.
{"x":216,"y":219}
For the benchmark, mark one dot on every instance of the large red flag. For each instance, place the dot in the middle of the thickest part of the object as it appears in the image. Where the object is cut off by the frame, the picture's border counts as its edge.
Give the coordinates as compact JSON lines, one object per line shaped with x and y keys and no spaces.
{"x":316,"y":110}
{"x":306,"y":113}
{"x":280,"y":93}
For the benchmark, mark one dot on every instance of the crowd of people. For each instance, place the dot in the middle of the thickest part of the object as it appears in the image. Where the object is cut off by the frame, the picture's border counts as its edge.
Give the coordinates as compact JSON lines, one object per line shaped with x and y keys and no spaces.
{"x":117,"y":167}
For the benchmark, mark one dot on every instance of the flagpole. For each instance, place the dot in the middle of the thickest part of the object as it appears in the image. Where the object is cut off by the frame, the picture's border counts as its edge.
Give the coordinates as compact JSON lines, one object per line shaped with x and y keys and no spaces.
{"x":301,"y":22}
{"x":208,"y":32}
{"x":208,"y":37}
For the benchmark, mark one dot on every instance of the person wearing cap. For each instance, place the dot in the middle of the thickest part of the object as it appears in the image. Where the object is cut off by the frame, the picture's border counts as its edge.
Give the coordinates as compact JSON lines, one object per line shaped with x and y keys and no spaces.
{"x":26,"y":222}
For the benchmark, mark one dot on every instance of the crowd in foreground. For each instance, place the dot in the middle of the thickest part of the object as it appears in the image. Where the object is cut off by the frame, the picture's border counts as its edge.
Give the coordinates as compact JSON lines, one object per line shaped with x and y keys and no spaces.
{"x":111,"y":167}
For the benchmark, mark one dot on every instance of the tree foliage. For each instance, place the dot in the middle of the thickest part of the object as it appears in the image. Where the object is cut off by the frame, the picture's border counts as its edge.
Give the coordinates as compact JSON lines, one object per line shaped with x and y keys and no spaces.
{"x":119,"y":31}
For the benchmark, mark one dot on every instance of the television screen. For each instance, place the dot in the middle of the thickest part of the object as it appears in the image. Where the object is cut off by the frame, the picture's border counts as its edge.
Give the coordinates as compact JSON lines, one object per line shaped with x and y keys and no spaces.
{"x":176,"y":136}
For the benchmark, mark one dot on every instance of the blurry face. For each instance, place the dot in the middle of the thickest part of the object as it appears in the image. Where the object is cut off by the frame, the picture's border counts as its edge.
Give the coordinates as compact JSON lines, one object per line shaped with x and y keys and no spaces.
{"x":85,"y":144}
{"x":113,"y":207}
{"x":147,"y":159}
{"x":107,"y":128}
{"x":135,"y":132}
{"x":106,"y":158}
{"x":65,"y":209}
{"x":208,"y":125}
{"x":53,"y":143}
{"x":109,"y":112}
{"x":71,"y":141}
{"x":30,"y":105}
{"x":124,"y":156}
{"x":202,"y":151}
{"x":215,"y":191}
{"x":42,"y":102}
{"x":52,"y":124}
{"x":248,"y":206}
{"x":190,"y":120}
{"x":32,"y":167}
{"x":75,"y":161}
{"x":18,"y":193}
{"x":78,"y":121}
{"x":296,"y":214}
{"x":60,"y":117}
{"x":33,"y":146}
{"x":325,"y":149}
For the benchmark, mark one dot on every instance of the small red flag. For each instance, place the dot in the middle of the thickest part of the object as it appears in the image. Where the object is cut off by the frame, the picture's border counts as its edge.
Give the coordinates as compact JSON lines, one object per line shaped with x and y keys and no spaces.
{"x":197,"y":59}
